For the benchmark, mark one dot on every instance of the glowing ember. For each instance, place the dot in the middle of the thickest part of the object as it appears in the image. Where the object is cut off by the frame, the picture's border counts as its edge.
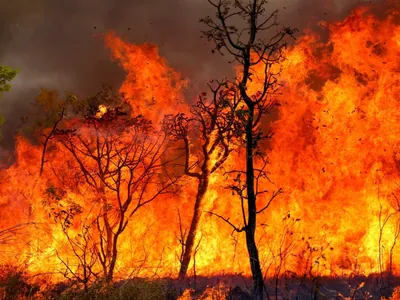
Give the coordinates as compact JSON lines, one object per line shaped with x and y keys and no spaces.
{"x":102,"y":110}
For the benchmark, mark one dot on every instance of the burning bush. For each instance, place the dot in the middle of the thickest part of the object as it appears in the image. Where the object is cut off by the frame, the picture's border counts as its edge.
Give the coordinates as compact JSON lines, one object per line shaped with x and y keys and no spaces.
{"x":15,"y":284}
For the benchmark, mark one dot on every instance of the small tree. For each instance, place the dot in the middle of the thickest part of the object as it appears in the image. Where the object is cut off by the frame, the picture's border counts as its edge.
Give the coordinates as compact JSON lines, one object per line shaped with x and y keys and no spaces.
{"x":238,"y":28}
{"x":83,"y":245}
{"x":118,"y":162}
{"x":6,"y":75}
{"x":211,"y":122}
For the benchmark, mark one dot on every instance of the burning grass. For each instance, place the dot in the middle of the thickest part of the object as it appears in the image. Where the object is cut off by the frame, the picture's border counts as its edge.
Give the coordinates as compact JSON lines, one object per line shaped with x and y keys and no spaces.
{"x":18,"y":285}
{"x":106,"y":200}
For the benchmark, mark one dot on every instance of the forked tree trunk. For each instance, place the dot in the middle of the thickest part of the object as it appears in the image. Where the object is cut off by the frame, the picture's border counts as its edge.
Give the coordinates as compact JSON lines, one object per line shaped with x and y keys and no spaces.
{"x":191,"y":237}
{"x":252,"y":249}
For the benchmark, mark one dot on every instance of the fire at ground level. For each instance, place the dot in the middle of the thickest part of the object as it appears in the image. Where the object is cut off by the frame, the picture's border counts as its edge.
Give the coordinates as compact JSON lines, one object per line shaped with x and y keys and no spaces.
{"x":335,"y":154}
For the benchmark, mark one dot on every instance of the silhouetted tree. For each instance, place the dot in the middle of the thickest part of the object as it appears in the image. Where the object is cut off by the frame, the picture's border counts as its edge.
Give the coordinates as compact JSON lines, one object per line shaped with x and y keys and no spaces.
{"x":83,"y":245}
{"x":239,"y":28}
{"x":210,"y":124}
{"x":50,"y":109}
{"x":6,"y":75}
{"x":117,"y":161}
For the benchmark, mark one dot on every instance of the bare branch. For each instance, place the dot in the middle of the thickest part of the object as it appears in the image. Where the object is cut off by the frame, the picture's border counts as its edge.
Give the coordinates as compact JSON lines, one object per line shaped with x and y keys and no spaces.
{"x":274,"y":195}
{"x":48,"y":137}
{"x":227,"y":221}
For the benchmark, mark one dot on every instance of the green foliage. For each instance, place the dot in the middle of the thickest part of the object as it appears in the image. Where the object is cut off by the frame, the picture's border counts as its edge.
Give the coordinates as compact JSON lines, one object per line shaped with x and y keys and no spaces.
{"x":6,"y":75}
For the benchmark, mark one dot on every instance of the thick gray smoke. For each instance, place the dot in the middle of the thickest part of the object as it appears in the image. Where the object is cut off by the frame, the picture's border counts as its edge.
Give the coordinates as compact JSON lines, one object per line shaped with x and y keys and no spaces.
{"x":52,"y":43}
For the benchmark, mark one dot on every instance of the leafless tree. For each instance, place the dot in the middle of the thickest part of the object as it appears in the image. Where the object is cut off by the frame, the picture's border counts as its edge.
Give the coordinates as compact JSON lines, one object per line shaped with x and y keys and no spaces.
{"x":239,"y":28}
{"x":81,"y":243}
{"x":210,"y":122}
{"x":388,"y":215}
{"x":48,"y":137}
{"x":118,"y":160}
{"x":280,"y":249}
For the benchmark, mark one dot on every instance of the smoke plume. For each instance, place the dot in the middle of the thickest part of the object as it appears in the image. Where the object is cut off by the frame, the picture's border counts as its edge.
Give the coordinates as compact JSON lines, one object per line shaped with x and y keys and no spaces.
{"x":53,"y":42}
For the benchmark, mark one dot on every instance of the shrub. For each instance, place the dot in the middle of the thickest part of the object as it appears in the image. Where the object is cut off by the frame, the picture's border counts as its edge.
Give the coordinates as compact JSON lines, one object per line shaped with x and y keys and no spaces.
{"x":14,"y":284}
{"x":137,"y":289}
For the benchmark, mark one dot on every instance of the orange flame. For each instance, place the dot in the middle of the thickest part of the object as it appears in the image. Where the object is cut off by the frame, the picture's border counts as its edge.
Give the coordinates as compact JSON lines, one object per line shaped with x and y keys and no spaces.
{"x":336,"y":142}
{"x":150,"y":85}
{"x":335,"y":152}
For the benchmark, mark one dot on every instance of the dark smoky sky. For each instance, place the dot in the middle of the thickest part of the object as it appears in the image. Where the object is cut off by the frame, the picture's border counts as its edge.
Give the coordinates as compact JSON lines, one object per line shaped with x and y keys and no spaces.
{"x":52,"y":43}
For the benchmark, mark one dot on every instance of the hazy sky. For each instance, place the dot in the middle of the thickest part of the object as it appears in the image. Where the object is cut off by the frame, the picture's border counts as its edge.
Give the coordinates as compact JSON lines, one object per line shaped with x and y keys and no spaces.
{"x":51,"y":41}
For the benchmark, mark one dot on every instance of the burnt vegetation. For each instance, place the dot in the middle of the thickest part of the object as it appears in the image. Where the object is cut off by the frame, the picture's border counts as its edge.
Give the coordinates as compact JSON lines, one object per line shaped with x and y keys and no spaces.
{"x":105,"y":174}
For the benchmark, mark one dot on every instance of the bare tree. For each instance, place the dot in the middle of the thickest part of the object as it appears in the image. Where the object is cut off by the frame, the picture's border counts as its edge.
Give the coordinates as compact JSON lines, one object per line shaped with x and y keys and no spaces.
{"x":81,"y":243}
{"x":387,"y":216}
{"x":210,"y":122}
{"x":119,"y":162}
{"x":280,"y":250}
{"x":245,"y":44}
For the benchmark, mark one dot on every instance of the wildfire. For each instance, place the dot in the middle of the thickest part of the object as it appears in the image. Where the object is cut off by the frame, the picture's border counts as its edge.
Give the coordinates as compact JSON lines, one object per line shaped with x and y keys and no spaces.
{"x":101,"y":111}
{"x":336,"y":140}
{"x":150,"y":83}
{"x":335,"y":153}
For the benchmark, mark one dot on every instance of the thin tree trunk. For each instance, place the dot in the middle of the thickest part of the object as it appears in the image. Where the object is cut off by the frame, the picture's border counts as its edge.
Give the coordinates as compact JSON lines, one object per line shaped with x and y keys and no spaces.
{"x":108,"y":254}
{"x":109,"y":238}
{"x":252,"y":213}
{"x":113,"y":259}
{"x":255,"y":266}
{"x":191,"y":237}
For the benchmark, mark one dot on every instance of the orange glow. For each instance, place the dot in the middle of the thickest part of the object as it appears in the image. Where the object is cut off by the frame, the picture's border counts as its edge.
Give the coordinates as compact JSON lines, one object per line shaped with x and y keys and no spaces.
{"x":150,"y":84}
{"x":335,"y":149}
{"x":335,"y":152}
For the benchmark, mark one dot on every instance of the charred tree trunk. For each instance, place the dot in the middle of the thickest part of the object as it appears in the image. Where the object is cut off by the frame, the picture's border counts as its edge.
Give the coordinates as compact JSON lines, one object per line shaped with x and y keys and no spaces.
{"x":252,"y":212}
{"x":249,"y":50}
{"x":106,"y":247}
{"x":109,"y":234}
{"x":191,"y":237}
{"x":255,"y":265}
{"x":113,"y":259}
